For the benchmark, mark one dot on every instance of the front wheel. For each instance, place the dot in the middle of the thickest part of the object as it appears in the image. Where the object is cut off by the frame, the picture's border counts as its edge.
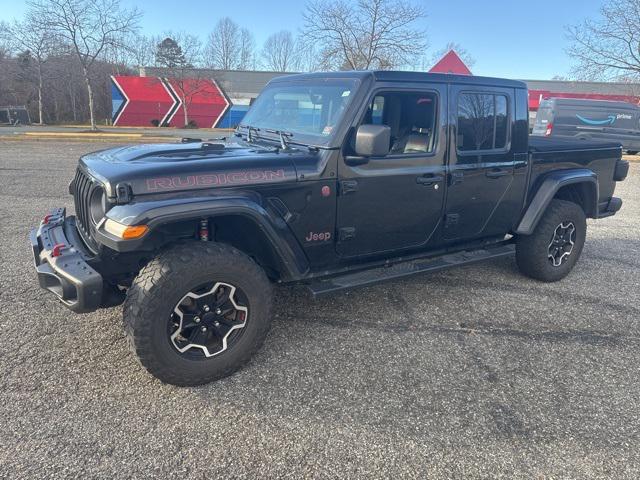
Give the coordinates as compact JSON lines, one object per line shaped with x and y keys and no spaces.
{"x":553,"y":249}
{"x":197,"y":313}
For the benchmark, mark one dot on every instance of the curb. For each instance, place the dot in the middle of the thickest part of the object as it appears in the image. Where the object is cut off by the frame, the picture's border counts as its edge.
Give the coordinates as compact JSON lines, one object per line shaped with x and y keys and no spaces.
{"x":135,"y":138}
{"x":81,"y":135}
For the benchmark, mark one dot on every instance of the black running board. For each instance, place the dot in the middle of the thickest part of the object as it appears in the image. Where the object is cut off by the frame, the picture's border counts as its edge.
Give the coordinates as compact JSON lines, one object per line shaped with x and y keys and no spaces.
{"x":407,"y":268}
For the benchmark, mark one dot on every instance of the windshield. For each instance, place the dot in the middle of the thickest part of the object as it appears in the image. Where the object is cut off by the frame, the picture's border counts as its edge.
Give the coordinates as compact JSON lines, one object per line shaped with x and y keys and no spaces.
{"x":309,"y":110}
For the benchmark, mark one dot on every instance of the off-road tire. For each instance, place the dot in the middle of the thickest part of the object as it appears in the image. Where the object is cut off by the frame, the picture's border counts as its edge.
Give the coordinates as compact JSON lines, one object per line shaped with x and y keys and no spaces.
{"x":532,"y":250}
{"x":164,"y":281}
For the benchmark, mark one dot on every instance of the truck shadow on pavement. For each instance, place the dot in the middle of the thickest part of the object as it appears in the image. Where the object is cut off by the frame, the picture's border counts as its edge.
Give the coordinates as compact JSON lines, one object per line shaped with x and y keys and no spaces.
{"x":350,"y":310}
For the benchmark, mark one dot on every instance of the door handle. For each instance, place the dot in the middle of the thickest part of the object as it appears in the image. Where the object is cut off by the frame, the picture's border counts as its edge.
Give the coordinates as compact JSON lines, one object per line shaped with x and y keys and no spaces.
{"x":456,"y":177}
{"x":497,"y":173}
{"x":429,"y":179}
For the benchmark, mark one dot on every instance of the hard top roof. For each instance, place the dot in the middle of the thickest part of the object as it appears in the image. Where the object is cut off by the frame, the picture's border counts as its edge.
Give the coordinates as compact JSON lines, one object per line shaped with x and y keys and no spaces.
{"x":413,"y":77}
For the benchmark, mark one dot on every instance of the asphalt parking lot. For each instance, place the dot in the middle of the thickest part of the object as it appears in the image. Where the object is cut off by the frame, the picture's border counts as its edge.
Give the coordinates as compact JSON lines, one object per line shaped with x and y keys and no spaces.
{"x":473,"y":372}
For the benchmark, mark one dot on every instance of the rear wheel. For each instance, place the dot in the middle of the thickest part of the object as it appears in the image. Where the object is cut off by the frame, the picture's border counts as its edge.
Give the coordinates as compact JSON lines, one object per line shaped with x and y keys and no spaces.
{"x":197,"y":313}
{"x":551,"y":252}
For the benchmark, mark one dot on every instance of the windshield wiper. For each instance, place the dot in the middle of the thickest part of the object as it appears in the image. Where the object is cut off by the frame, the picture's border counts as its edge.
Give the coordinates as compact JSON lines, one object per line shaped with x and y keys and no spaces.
{"x":251,"y":132}
{"x":284,"y":136}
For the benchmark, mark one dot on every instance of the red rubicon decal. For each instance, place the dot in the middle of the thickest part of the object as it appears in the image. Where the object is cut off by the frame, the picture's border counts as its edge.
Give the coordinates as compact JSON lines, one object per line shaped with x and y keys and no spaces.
{"x":213,"y":179}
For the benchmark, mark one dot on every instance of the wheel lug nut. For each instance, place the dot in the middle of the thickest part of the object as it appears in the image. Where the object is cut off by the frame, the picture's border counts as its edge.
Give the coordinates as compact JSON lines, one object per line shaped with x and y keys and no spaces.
{"x":204,"y":329}
{"x":218,"y":311}
{"x":196,"y":319}
{"x":206,"y":308}
{"x":217,"y":324}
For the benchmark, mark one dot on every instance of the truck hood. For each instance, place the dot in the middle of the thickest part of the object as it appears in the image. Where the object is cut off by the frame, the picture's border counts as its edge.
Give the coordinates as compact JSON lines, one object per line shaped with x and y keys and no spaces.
{"x":174,"y":167}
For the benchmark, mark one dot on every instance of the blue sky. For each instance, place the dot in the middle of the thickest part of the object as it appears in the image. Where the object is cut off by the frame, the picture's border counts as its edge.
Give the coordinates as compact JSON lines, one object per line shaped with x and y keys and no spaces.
{"x":513,"y":39}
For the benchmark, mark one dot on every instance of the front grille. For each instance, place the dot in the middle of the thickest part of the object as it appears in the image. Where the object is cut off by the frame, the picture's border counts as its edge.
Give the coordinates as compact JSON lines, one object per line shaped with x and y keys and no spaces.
{"x":83,"y":185}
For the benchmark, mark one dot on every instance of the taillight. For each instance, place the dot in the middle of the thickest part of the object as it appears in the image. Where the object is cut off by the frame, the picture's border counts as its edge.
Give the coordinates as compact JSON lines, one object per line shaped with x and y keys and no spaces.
{"x":549,"y":129}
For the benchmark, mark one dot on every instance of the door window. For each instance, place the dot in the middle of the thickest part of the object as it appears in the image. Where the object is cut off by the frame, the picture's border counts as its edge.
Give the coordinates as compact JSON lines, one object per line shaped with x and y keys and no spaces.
{"x":482,"y":122}
{"x":412,"y":118}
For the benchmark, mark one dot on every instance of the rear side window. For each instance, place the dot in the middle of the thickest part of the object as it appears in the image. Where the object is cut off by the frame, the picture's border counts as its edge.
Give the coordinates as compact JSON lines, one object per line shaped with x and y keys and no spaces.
{"x":482,"y":122}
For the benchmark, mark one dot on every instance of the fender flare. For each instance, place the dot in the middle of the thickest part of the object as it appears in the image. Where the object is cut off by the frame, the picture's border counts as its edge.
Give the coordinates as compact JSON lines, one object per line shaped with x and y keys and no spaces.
{"x":156,"y":213}
{"x":550,"y":185}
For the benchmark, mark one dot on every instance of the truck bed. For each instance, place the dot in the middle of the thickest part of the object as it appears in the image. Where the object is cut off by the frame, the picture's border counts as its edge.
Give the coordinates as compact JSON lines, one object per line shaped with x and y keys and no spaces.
{"x":560,"y":153}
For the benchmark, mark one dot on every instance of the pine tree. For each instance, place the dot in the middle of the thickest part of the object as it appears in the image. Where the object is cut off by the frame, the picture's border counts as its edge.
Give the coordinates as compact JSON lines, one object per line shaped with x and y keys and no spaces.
{"x":169,"y":54}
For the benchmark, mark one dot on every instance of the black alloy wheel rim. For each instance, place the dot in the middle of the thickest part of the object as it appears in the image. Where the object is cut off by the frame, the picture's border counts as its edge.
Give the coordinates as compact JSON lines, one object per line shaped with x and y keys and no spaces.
{"x":208,"y":320}
{"x":562,"y":243}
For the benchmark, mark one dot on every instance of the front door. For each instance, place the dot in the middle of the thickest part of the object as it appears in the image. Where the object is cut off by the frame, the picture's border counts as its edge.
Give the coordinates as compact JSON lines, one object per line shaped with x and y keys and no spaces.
{"x":481,"y":163}
{"x":395,"y":202}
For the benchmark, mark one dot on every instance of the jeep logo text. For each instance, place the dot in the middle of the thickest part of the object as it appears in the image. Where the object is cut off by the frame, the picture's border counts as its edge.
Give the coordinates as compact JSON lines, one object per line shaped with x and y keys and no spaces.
{"x":318,"y":237}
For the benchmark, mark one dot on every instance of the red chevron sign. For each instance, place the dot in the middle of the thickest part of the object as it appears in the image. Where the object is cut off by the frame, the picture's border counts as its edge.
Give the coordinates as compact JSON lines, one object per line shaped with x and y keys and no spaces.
{"x":206,"y":103}
{"x":145,"y":101}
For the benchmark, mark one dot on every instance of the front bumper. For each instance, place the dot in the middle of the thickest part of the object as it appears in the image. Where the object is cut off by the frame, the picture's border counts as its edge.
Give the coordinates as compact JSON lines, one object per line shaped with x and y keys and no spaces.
{"x":61,"y":263}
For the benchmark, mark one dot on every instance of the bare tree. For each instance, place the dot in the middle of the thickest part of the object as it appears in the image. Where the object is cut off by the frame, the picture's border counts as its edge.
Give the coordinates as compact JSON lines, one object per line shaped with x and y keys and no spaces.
{"x":223,"y":45}
{"x":247,"y":56}
{"x":90,"y":27}
{"x":66,"y":90}
{"x":32,"y":35}
{"x":308,"y":57}
{"x":609,"y":46}
{"x":132,"y":50}
{"x":462,"y":52}
{"x":6,"y":52}
{"x":117,"y":54}
{"x":280,"y":52}
{"x":5,"y":39}
{"x":365,"y":34}
{"x":141,"y":50}
{"x":65,"y":94}
{"x":179,"y":53}
{"x":230,"y":47}
{"x":6,"y":49}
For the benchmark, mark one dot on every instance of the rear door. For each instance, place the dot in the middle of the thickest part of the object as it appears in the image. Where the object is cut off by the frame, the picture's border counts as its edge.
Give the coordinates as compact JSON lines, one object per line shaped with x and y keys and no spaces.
{"x":480,"y":198}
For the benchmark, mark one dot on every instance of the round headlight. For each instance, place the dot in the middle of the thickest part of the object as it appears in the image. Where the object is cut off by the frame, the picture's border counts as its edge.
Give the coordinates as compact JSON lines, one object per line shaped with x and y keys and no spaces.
{"x":97,"y":204}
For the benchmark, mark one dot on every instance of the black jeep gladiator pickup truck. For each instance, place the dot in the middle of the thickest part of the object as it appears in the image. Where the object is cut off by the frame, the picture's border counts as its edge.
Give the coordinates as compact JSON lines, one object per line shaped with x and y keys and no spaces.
{"x":333,"y":180}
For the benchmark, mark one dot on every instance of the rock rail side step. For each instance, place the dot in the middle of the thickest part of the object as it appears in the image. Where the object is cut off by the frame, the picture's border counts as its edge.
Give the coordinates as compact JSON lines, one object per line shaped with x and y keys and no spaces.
{"x":404,"y":269}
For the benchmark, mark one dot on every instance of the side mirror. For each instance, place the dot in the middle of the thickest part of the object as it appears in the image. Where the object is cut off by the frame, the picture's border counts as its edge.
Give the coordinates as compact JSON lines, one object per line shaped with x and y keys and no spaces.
{"x":373,"y":140}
